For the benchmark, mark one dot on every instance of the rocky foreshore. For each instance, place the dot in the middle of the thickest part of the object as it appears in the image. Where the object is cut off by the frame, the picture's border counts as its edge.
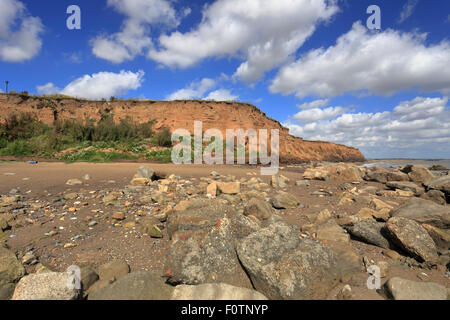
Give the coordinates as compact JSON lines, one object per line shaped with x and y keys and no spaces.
{"x":310,"y":232}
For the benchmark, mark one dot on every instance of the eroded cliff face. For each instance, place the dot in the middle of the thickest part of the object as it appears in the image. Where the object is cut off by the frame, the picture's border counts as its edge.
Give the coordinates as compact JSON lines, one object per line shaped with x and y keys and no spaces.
{"x":182,"y":114}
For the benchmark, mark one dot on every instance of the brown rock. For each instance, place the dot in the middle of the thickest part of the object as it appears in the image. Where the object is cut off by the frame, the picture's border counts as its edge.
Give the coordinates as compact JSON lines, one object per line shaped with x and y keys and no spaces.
{"x":113,"y":270}
{"x":413,"y":238}
{"x":418,"y":173}
{"x":229,"y":187}
{"x":118,"y":216}
{"x":258,"y":208}
{"x":440,"y":237}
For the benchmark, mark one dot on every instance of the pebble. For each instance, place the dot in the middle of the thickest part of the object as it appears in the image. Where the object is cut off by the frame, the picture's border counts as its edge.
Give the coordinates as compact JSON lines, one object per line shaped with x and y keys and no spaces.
{"x":92,"y":223}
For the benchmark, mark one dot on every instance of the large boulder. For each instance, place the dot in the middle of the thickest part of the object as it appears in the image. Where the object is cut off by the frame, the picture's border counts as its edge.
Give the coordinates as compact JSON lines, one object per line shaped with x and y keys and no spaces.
{"x":396,"y":175}
{"x":46,"y":286}
{"x":141,"y":285}
{"x":377,"y":174}
{"x":413,"y":239}
{"x":11,"y":270}
{"x":284,"y":200}
{"x":402,"y":289}
{"x":340,"y":171}
{"x":366,"y":230}
{"x":215,"y":291}
{"x":435,"y":196}
{"x":283,"y":266}
{"x":197,"y":215}
{"x":209,"y":255}
{"x":405,"y":186}
{"x":319,"y":173}
{"x":441,"y":184}
{"x":418,"y":173}
{"x":424,"y":211}
{"x":440,"y":237}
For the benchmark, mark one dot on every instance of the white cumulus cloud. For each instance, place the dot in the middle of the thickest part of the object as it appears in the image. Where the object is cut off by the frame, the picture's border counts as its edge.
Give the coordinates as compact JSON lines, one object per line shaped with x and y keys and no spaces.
{"x":313,"y":104}
{"x":98,"y":85}
{"x":133,"y":38}
{"x":19,"y":32}
{"x":205,"y":89}
{"x":363,"y":61}
{"x":313,"y":115}
{"x":416,"y":128}
{"x":195,"y":90}
{"x":221,"y":95}
{"x":264,"y":34}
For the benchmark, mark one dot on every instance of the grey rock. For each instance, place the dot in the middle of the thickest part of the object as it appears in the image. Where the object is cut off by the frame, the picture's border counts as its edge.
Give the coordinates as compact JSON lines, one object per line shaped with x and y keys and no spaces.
{"x":435,"y":196}
{"x":302,"y":183}
{"x":88,"y":277}
{"x":45,"y":286}
{"x":424,"y":211}
{"x":135,"y":286}
{"x":441,"y":184}
{"x":7,"y":291}
{"x":146,"y":173}
{"x":283,"y":266}
{"x":197,"y":215}
{"x":279,"y":181}
{"x":418,"y":173}
{"x":284,"y":200}
{"x":209,"y":255}
{"x":215,"y":291}
{"x":402,"y":289}
{"x":369,"y":231}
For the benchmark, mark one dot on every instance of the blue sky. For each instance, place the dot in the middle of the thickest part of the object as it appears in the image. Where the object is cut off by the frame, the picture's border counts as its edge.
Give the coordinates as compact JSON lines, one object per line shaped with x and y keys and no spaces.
{"x":312,"y":65}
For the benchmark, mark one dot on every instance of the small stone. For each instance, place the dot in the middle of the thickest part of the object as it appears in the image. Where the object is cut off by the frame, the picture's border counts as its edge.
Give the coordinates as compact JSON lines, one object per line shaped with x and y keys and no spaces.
{"x":155,"y":232}
{"x":212,"y":189}
{"x":146,"y":173}
{"x":28,"y":258}
{"x":118,"y":216}
{"x":302,"y":183}
{"x":109,"y":199}
{"x":74,"y":182}
{"x":345,"y":293}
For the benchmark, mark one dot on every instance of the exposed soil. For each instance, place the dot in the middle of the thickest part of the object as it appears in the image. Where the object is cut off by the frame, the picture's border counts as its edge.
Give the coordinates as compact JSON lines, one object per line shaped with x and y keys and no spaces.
{"x":181,"y":115}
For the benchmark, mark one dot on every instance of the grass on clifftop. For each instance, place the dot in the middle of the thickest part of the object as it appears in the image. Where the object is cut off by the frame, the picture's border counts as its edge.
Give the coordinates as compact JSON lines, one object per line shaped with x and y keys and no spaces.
{"x":83,"y":140}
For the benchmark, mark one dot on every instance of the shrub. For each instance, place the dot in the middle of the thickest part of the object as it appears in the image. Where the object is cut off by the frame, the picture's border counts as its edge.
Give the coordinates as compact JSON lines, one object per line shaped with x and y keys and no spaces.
{"x":22,"y":126}
{"x":164,"y":138}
